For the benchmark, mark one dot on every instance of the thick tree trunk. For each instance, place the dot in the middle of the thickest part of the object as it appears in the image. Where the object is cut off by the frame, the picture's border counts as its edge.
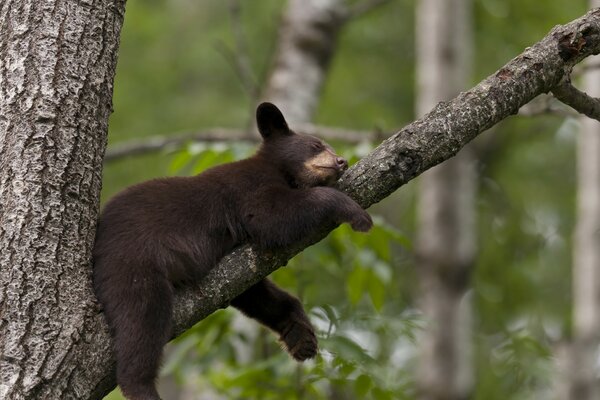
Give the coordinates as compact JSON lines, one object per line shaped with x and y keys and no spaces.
{"x":57,"y":63}
{"x":446,"y":240}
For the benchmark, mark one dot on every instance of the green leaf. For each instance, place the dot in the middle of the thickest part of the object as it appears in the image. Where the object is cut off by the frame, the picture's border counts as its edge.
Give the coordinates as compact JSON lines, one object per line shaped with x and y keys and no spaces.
{"x":395,"y":234}
{"x":205,"y":161}
{"x":380,"y":394}
{"x":346,"y":350}
{"x":376,"y":291}
{"x":329,"y":315}
{"x":362,"y":385}
{"x":355,"y":285}
{"x":182,"y":159}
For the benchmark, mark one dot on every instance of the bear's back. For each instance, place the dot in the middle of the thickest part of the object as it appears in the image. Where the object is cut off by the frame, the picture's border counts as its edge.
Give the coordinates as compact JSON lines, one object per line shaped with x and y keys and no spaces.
{"x":180,"y":226}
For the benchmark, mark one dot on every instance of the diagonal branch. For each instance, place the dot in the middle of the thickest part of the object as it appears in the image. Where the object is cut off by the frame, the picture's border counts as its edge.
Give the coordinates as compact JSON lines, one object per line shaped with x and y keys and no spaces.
{"x":421,"y":145}
{"x":580,"y":101}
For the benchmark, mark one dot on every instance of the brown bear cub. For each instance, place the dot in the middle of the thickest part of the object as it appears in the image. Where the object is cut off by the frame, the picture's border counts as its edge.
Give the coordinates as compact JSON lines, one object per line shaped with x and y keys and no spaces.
{"x":160,"y":234}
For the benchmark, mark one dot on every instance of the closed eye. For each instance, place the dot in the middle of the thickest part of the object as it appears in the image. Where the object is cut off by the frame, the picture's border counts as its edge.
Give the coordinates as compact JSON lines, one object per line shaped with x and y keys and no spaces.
{"x":317,"y":146}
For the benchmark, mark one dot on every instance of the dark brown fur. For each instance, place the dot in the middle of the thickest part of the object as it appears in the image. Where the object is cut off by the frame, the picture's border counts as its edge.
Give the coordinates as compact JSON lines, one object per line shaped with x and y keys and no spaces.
{"x":160,"y":234}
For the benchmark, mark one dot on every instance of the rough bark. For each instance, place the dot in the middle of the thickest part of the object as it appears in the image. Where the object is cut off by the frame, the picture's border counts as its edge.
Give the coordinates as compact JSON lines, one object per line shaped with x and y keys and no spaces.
{"x":445,"y":241}
{"x":86,"y":371}
{"x":57,"y":63}
{"x":578,"y":100}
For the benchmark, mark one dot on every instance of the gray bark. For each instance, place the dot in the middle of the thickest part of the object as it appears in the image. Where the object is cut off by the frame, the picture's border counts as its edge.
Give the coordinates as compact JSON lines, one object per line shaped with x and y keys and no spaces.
{"x":63,"y":350}
{"x":445,"y":211}
{"x":57,"y":63}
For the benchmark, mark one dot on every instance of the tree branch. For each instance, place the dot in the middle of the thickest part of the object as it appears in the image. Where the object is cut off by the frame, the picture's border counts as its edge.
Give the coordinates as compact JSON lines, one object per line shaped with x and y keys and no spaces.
{"x":547,"y":105}
{"x":158,"y":143}
{"x":578,"y":100}
{"x":363,"y":7}
{"x":238,"y":56}
{"x":422,"y":144}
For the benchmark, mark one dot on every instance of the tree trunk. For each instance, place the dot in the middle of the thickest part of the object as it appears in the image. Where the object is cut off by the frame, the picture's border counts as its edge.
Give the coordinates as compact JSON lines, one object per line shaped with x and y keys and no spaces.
{"x":446,"y":240}
{"x":307,"y":39}
{"x":582,"y":372}
{"x":57,"y":63}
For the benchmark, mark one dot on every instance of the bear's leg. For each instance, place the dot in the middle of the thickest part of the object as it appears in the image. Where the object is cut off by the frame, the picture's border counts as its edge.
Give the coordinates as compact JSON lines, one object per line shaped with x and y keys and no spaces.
{"x":140,"y":318}
{"x":283,"y":313}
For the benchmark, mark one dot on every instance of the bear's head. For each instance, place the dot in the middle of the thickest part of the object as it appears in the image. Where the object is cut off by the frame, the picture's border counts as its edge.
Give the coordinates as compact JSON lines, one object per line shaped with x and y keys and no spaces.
{"x":305,"y":160}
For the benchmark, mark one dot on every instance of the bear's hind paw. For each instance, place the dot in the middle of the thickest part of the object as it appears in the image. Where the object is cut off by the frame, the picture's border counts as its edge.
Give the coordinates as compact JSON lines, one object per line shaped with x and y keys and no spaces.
{"x":300,"y":341}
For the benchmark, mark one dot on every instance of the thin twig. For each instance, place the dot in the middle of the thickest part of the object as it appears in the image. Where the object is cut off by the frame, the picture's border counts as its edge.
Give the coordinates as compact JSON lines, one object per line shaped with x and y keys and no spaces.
{"x":363,"y":7}
{"x":578,"y":100}
{"x":158,"y":143}
{"x":242,"y":57}
{"x":237,"y":57}
{"x":546,"y":105}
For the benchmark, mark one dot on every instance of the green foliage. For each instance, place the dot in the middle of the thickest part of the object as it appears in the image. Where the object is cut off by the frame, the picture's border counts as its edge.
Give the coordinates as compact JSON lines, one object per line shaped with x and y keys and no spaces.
{"x":517,"y":366}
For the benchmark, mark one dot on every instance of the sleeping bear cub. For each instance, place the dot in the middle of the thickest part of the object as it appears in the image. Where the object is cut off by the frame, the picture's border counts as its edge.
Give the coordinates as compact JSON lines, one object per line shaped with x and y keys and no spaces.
{"x":164,"y":233}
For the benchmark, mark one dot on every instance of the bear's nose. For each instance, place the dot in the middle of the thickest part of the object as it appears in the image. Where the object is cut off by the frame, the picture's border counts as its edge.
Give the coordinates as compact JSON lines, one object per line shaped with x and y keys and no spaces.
{"x":341,"y":163}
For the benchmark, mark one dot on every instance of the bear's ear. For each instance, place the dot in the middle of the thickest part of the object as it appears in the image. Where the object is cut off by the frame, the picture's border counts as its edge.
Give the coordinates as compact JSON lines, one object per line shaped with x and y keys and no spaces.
{"x":270,"y":121}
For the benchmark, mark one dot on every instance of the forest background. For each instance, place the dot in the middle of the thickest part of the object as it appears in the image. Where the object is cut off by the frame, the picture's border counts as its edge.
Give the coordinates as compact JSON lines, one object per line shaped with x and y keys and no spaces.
{"x":177,"y":74}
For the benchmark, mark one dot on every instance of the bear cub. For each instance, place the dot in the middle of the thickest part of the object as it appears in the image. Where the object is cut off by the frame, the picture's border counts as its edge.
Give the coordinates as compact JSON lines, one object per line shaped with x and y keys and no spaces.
{"x":158,"y":235}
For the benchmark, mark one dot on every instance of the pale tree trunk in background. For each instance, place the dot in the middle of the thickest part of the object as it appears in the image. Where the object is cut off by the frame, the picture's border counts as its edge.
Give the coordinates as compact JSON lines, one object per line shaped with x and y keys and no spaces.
{"x":446,"y":239}
{"x":307,"y":41}
{"x":57,"y":63}
{"x":581,"y":355}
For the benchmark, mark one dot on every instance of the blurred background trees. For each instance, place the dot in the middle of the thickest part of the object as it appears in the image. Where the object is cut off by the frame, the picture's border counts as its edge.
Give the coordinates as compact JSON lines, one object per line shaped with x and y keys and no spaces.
{"x":187,"y":66}
{"x":445,"y":240}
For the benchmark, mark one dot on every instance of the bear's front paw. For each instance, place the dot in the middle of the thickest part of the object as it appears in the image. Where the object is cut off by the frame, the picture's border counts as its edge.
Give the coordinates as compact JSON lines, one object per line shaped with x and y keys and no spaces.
{"x":299,"y":340}
{"x":361,"y":222}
